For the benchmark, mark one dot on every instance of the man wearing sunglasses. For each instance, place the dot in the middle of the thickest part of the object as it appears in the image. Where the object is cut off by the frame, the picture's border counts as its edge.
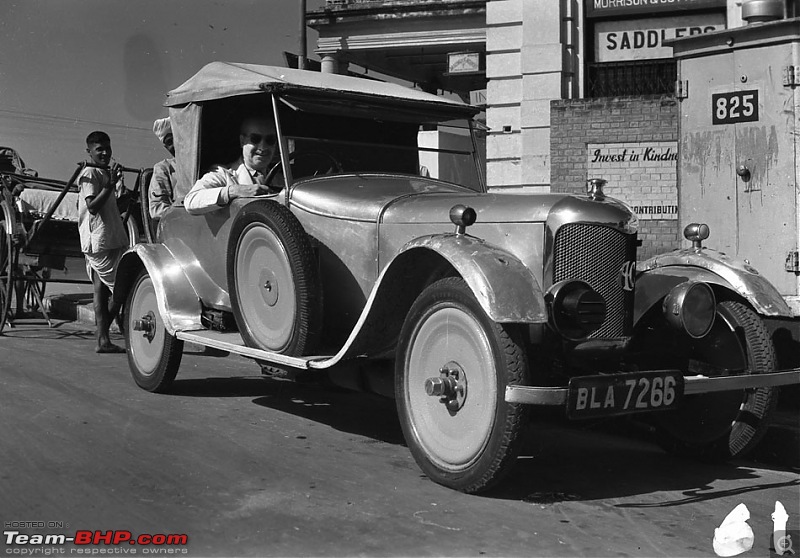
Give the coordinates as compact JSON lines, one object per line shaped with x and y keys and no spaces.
{"x":245,"y":177}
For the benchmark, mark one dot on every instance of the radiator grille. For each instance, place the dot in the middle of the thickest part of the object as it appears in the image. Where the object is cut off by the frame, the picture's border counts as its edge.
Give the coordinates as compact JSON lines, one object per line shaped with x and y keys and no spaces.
{"x":595,"y":254}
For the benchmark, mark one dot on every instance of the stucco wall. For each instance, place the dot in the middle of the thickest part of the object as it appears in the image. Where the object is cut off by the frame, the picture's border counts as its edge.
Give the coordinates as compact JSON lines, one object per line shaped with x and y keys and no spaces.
{"x":577,"y":124}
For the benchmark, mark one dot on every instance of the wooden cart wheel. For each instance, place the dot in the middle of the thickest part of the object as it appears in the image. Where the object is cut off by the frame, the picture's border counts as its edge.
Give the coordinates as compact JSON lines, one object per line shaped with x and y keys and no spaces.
{"x":8,"y":259}
{"x":273,"y":281}
{"x":35,"y":285}
{"x":133,"y":230}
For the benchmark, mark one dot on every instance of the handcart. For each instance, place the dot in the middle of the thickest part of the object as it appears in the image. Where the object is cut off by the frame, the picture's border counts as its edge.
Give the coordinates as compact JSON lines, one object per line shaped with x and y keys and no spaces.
{"x":39,"y":231}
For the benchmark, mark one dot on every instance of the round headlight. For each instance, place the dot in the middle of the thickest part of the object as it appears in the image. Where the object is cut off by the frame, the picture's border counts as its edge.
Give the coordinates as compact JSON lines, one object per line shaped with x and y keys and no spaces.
{"x":691,"y":307}
{"x":576,"y":309}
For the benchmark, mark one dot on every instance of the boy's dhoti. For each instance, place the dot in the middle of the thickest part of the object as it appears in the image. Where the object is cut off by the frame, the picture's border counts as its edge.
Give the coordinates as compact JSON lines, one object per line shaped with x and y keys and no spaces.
{"x":105,"y":265}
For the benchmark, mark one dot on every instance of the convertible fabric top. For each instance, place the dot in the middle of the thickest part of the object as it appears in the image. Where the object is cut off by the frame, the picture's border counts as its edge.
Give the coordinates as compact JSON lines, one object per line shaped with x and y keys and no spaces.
{"x":218,"y":80}
{"x":301,"y":89}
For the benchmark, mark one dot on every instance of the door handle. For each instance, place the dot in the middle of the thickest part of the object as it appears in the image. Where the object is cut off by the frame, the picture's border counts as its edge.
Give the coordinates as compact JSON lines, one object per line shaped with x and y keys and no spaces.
{"x":743,"y":172}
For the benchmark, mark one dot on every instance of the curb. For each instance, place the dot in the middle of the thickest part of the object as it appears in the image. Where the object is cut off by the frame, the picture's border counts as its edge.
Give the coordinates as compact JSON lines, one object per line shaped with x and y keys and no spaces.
{"x":72,"y":307}
{"x":779,"y":447}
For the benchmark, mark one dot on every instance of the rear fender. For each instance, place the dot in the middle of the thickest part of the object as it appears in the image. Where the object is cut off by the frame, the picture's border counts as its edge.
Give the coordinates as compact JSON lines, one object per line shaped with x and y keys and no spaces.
{"x":177,"y":299}
{"x":658,"y":275}
{"x":506,"y":289}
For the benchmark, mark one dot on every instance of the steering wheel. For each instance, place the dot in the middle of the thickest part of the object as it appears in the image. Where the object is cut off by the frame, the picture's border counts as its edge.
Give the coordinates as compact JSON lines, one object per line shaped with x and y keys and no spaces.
{"x":335,"y":165}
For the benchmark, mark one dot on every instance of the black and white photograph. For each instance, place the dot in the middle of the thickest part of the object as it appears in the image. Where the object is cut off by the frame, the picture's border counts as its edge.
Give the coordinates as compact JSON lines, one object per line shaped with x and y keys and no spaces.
{"x":400,"y":278}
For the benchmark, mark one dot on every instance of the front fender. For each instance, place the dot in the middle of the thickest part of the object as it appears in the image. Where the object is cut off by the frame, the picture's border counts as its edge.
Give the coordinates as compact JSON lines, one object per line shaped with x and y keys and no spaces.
{"x":506,"y":289}
{"x":658,"y":275}
{"x":177,"y":299}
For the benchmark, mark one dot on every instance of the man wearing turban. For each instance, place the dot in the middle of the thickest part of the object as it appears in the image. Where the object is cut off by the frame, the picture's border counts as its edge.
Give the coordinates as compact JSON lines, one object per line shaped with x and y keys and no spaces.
{"x":162,"y":183}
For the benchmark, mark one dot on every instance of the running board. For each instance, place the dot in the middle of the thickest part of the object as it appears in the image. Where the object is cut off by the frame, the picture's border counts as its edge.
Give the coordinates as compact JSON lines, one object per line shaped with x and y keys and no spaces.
{"x":232,"y":342}
{"x":531,"y":395}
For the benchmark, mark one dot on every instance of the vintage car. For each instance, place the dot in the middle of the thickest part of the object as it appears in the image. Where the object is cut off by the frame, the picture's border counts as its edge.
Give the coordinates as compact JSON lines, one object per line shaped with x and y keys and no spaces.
{"x":385,"y":263}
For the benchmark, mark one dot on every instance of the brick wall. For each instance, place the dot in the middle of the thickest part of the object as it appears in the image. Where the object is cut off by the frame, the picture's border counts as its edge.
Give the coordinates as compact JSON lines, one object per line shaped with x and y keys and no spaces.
{"x":575,"y":124}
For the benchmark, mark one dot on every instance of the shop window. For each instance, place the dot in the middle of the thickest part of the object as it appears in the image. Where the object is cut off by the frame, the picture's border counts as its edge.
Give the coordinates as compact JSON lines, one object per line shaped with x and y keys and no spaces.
{"x":640,"y":77}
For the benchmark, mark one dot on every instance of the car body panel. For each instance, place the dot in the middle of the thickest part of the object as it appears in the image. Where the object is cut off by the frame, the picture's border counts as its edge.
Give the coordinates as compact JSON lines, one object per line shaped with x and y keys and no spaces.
{"x":505,"y":288}
{"x":178,"y":302}
{"x":364,"y":197}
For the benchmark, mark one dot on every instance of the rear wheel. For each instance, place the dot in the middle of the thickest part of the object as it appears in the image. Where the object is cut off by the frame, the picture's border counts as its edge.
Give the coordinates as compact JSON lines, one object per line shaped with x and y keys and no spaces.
{"x":453,"y":365}
{"x":154,"y":355}
{"x":725,"y":424}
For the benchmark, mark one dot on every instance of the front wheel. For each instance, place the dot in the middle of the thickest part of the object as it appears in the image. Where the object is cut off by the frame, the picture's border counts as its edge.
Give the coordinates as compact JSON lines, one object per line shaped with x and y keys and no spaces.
{"x":453,"y":365}
{"x":727,"y":424}
{"x":154,"y":355}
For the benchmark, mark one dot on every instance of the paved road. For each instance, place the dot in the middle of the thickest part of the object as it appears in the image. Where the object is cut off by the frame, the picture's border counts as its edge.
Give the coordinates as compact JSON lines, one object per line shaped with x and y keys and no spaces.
{"x":248,"y":466}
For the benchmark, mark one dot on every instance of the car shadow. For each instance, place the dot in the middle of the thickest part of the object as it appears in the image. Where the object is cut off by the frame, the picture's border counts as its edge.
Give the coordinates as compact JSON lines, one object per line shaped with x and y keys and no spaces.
{"x":567,"y":461}
{"x":342,"y":409}
{"x":559,"y":461}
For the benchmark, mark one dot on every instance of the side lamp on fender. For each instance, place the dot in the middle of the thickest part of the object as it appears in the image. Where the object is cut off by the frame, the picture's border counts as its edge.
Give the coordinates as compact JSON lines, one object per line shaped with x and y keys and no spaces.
{"x":696,"y":233}
{"x":462,"y":217}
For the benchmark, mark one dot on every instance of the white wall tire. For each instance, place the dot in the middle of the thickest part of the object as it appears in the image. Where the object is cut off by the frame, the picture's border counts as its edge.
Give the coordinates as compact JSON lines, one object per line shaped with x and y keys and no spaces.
{"x":154,"y":355}
{"x":273,"y":281}
{"x":468,"y":437}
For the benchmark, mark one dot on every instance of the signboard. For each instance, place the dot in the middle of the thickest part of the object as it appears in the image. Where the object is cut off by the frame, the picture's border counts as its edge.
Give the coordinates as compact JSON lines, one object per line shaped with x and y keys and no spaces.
{"x":463,"y":62}
{"x":611,"y":8}
{"x":643,"y":39}
{"x":733,"y":107}
{"x":642,"y":174}
{"x":477,"y":97}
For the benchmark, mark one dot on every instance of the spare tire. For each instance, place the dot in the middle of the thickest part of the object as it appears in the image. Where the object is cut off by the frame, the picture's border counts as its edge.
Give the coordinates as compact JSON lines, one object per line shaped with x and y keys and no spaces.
{"x":273,"y":280}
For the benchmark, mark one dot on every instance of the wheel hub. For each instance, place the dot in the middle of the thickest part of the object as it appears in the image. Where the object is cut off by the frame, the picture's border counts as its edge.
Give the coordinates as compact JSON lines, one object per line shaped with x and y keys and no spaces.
{"x":269,"y":287}
{"x":147,"y":324}
{"x":450,"y":386}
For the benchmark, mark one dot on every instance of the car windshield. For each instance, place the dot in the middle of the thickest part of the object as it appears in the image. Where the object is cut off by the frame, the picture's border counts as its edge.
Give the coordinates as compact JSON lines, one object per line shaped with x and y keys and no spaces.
{"x":442,"y":151}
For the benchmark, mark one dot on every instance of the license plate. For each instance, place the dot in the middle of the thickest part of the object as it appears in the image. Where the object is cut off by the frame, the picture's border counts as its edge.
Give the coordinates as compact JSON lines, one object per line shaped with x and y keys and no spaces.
{"x":621,"y":394}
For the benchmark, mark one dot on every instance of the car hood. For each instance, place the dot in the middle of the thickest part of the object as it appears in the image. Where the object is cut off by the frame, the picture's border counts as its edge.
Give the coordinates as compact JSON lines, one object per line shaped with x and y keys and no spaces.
{"x":392,"y":199}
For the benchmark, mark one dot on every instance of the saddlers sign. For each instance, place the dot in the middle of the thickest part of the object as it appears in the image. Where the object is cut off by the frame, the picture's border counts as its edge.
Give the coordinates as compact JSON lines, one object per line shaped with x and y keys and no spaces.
{"x":643,"y":39}
{"x":611,"y":8}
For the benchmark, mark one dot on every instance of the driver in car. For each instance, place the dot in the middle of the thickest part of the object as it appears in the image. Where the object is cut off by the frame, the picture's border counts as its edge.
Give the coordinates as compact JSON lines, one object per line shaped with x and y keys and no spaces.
{"x":245,"y":177}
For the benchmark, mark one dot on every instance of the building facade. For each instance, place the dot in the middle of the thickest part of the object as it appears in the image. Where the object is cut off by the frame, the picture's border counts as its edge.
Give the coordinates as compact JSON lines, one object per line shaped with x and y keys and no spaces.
{"x":572,"y":88}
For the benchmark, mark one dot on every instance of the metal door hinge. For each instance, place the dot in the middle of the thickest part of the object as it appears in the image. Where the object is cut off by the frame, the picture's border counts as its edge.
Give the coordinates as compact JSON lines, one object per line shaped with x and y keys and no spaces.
{"x":793,"y":261}
{"x":682,"y":89}
{"x":791,"y":75}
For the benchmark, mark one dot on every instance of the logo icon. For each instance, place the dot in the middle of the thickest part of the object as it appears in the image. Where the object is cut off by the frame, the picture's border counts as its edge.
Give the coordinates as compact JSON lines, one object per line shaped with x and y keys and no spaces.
{"x":627,"y":276}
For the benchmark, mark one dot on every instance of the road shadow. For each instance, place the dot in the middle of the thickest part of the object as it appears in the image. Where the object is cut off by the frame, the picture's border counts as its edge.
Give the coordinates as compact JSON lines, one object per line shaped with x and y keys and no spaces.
{"x":560,"y":460}
{"x":569,"y":461}
{"x":358,"y":413}
{"x":37,"y":328}
{"x":348,"y":411}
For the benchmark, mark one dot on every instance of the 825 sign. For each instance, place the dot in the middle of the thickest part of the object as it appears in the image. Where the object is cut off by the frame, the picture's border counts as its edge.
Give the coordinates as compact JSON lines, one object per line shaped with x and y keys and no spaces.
{"x":738,"y":106}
